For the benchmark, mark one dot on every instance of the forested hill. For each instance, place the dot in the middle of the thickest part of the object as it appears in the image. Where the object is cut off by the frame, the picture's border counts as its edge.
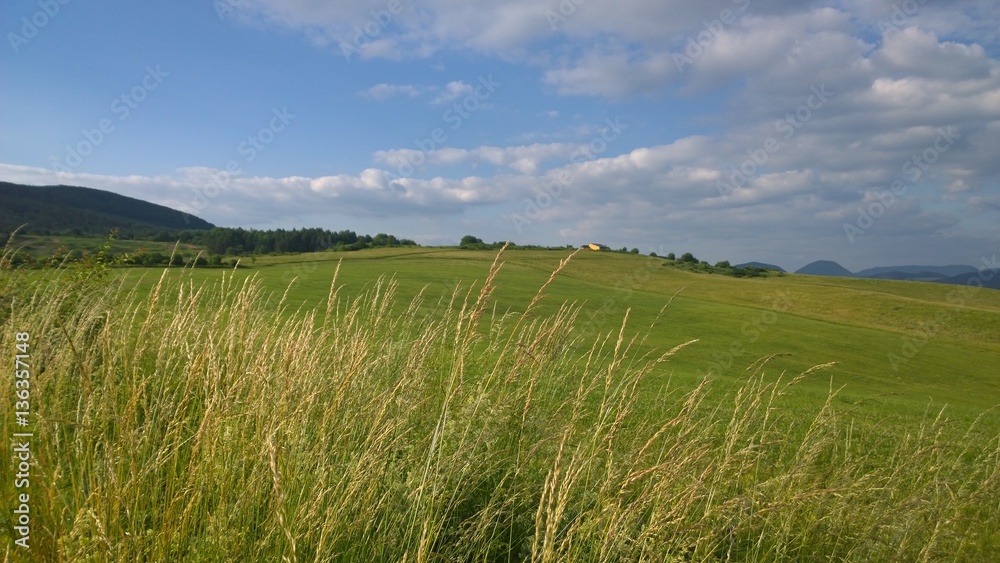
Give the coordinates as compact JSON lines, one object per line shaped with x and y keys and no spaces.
{"x":63,"y":209}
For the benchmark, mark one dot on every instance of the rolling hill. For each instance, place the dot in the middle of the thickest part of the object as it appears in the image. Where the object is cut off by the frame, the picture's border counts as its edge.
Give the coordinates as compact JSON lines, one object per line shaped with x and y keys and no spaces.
{"x":88,"y":211}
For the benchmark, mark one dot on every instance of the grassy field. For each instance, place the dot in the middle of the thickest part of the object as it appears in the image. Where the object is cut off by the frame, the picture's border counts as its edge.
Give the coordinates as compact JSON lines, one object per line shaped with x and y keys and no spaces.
{"x":430,"y":404}
{"x":859,"y":324}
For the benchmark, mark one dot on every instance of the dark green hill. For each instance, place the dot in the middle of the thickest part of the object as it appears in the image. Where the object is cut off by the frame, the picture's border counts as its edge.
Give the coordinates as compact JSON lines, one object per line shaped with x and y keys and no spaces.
{"x":71,"y":209}
{"x":824,"y":268}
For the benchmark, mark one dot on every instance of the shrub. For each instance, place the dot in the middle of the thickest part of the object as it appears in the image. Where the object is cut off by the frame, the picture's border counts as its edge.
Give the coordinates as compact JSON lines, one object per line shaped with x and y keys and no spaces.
{"x":469,"y":240}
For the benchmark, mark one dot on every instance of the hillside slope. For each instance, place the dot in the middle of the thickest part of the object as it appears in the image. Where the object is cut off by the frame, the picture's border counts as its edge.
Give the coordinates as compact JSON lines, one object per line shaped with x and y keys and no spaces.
{"x":86,"y":211}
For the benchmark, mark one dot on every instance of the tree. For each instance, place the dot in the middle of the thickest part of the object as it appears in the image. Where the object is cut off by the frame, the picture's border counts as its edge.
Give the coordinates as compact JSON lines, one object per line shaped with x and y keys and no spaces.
{"x":723,"y":264}
{"x":652,"y":254}
{"x":153,"y":259}
{"x":688,"y":257}
{"x":469,"y":240}
{"x":670,"y":256}
{"x":634,"y":251}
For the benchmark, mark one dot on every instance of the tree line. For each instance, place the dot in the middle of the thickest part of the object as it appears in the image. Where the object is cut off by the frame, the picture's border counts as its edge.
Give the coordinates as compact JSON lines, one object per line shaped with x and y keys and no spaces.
{"x":239,"y":241}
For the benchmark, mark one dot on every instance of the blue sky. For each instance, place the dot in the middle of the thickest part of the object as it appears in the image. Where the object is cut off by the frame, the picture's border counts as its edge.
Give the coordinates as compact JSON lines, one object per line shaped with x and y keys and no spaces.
{"x":865,"y":132}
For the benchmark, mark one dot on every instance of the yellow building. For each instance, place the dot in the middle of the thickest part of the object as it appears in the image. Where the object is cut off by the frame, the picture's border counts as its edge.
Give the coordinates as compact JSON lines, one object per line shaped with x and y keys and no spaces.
{"x":595,"y":246}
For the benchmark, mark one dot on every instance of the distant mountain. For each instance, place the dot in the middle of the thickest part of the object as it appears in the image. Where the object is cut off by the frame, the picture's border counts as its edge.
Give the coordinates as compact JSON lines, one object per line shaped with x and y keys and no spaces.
{"x":919,"y":271}
{"x":824,"y":268}
{"x":74,"y":209}
{"x":958,"y":274}
{"x":986,"y":278}
{"x":761,"y":265}
{"x":919,"y":276}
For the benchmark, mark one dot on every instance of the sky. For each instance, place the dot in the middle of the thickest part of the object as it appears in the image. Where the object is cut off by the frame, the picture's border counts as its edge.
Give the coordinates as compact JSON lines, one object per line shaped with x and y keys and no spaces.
{"x":861,"y":131}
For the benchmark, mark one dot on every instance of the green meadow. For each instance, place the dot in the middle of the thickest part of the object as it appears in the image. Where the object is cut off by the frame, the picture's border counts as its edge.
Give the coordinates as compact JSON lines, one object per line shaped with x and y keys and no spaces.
{"x":864,"y":326}
{"x":438,"y":404}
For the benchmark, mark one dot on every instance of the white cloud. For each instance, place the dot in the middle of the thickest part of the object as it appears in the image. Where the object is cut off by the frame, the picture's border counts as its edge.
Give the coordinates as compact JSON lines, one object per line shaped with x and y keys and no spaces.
{"x":526,"y":159}
{"x":452,"y":91}
{"x":633,"y":43}
{"x":916,"y":52}
{"x":613,"y":73}
{"x":441,"y":94}
{"x":385,"y":91}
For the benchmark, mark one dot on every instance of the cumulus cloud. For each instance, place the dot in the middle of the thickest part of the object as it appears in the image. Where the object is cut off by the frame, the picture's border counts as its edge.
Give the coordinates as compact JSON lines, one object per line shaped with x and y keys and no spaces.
{"x":613,"y":73}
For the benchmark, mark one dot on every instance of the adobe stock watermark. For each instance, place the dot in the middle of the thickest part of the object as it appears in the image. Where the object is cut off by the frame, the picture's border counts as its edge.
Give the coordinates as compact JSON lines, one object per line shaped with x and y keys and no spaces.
{"x":122,"y":107}
{"x":752,"y":330}
{"x":378,"y":21}
{"x":696,"y":45}
{"x":758,"y":157}
{"x":565,"y":10}
{"x":927,"y":330}
{"x":250,"y":148}
{"x":875,"y":206}
{"x":455,"y":116}
{"x":901,"y":13}
{"x":224,"y":8}
{"x":32,"y":25}
{"x":553,"y":188}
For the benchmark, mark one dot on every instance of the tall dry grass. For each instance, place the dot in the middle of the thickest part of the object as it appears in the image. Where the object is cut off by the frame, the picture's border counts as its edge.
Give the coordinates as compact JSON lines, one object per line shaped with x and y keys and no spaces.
{"x":213,"y":423}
